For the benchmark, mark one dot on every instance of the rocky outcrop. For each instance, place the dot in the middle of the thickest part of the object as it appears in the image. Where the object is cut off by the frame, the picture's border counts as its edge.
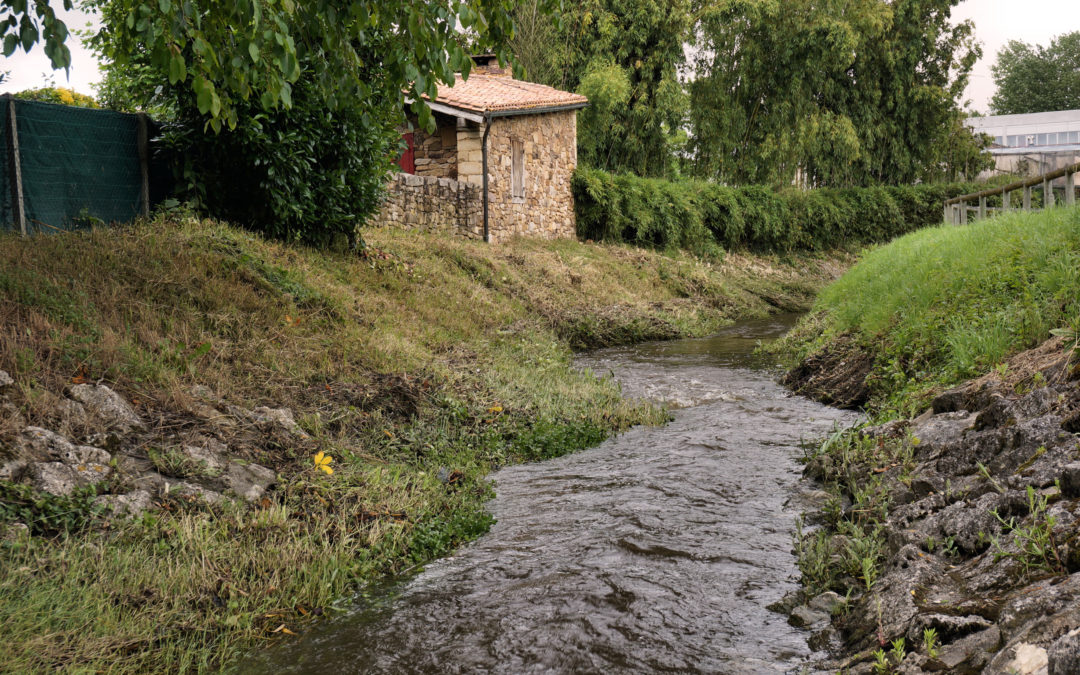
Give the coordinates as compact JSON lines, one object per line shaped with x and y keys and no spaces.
{"x":967,"y":519}
{"x":132,"y":466}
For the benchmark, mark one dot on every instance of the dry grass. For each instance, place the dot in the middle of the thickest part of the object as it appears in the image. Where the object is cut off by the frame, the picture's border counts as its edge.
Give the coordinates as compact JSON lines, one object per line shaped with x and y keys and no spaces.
{"x":423,"y":354}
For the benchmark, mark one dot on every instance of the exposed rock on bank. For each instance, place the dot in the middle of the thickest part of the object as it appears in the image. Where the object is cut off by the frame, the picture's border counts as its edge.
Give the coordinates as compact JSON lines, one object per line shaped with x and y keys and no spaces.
{"x":133,"y":466}
{"x":957,"y":532}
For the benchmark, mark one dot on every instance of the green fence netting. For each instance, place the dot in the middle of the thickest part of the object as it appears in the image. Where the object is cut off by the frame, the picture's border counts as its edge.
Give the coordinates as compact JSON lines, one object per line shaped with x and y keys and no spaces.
{"x":80,"y":167}
{"x":7,"y":217}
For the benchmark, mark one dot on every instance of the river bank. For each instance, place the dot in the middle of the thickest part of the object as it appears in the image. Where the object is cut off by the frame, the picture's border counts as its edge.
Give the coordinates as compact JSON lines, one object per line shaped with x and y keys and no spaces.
{"x":948,"y":533}
{"x":268,"y":428}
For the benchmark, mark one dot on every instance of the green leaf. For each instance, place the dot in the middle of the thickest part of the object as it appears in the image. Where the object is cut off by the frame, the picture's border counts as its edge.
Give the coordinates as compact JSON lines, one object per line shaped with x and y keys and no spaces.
{"x":204,"y":92}
{"x":253,"y":51}
{"x":177,"y":69}
{"x":164,"y":6}
{"x":11,"y":41}
{"x":286,"y":95}
{"x":29,"y":35}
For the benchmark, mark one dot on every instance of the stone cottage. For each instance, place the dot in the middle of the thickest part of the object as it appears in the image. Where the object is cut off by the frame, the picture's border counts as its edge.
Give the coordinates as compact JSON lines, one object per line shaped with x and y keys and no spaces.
{"x":499,"y":163}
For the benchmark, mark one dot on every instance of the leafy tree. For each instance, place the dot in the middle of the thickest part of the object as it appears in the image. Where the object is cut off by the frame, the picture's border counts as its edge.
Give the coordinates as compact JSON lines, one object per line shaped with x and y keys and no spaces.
{"x":283,"y":115}
{"x":644,"y":40}
{"x":848,"y":92}
{"x":1033,"y":78}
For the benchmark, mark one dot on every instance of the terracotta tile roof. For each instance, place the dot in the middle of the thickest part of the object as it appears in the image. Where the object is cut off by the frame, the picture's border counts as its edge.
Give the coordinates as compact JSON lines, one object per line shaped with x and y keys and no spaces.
{"x":490,"y":93}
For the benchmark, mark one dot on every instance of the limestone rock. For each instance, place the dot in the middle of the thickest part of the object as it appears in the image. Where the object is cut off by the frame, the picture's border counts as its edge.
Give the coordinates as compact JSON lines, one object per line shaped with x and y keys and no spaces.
{"x":1029,"y":660}
{"x":56,"y":478}
{"x":71,"y":413}
{"x":281,"y":418}
{"x":804,"y":617}
{"x":107,"y":407}
{"x":10,"y":469}
{"x":5,"y":380}
{"x":209,"y":452}
{"x":248,"y":481}
{"x":1070,"y":480}
{"x":192,"y":491}
{"x":972,"y":651}
{"x":42,"y":444}
{"x":826,"y":602}
{"x":131,"y":504}
{"x":1063,"y":657}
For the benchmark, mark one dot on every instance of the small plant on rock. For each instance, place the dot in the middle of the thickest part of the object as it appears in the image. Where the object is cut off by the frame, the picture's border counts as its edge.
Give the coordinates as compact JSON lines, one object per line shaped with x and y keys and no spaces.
{"x":173,"y":462}
{"x":1038,"y":550}
{"x":881,"y":663}
{"x":930,"y":641}
{"x":898,"y":652}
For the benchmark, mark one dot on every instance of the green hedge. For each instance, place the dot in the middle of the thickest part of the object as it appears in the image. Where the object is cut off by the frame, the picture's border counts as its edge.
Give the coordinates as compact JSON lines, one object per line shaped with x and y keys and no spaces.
{"x":701,"y":216}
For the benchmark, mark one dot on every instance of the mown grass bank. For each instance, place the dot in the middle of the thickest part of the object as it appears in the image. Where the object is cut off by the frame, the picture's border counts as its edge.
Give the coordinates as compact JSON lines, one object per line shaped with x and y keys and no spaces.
{"x":419,"y":366}
{"x":938,"y":306}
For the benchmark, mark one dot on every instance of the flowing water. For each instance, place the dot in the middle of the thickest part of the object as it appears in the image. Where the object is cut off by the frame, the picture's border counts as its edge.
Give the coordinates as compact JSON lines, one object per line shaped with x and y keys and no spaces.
{"x":656,"y":551}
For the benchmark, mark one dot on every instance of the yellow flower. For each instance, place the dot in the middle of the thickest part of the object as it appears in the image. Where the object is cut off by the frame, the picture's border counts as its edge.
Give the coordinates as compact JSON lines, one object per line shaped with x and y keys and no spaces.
{"x":495,"y":409}
{"x":322,"y":461}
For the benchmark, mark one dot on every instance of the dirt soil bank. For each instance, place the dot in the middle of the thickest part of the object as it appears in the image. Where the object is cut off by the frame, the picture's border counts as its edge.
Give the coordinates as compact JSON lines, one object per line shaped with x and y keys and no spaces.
{"x":951,"y":542}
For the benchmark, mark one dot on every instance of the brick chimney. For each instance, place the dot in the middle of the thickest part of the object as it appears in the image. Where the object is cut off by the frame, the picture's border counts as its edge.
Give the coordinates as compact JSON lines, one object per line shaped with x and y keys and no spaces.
{"x":488,"y":64}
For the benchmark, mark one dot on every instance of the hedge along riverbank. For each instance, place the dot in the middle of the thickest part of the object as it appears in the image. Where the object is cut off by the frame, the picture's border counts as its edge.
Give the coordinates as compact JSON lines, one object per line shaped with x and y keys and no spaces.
{"x":703,"y":217}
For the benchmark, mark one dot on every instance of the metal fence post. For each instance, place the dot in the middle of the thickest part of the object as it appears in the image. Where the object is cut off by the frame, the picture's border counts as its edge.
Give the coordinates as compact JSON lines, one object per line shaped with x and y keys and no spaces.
{"x":144,"y":164}
{"x":16,"y":166}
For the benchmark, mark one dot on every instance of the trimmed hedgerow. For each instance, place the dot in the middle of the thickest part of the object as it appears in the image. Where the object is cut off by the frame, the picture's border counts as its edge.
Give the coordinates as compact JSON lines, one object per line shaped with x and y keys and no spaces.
{"x":701,"y":216}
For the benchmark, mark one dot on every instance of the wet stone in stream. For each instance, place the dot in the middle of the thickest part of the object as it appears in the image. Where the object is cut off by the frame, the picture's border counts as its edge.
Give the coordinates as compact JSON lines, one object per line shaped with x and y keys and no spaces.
{"x":657,"y":551}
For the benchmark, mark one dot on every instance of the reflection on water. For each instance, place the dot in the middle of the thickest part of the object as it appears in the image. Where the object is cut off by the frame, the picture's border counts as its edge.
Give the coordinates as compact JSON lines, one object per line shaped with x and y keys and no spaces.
{"x":657,"y":551}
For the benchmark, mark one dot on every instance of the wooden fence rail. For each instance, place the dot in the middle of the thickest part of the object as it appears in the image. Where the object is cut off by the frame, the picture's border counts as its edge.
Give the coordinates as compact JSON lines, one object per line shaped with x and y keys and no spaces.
{"x":956,"y":209}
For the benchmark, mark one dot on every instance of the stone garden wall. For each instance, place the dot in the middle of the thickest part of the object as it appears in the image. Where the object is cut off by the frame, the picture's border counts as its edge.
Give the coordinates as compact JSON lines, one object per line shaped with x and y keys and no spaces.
{"x":434,"y":204}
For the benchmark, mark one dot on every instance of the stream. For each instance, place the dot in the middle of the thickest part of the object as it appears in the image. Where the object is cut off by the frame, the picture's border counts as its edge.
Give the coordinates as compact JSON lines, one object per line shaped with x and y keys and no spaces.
{"x":656,"y":551}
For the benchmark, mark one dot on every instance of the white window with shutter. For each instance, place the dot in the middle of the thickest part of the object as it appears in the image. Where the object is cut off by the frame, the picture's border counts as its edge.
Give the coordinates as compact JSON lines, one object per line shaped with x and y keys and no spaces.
{"x":517,"y":169}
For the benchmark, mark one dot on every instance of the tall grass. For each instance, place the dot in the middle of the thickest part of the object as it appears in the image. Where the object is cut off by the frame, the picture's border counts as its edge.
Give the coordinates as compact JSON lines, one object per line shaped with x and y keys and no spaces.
{"x":948,"y":302}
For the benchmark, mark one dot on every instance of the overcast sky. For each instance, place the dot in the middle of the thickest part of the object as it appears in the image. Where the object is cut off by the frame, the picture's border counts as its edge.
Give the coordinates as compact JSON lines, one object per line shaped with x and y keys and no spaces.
{"x":996,"y":22}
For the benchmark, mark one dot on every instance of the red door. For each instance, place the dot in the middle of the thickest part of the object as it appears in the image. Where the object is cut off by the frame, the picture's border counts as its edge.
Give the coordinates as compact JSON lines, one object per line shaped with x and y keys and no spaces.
{"x":407,"y":161}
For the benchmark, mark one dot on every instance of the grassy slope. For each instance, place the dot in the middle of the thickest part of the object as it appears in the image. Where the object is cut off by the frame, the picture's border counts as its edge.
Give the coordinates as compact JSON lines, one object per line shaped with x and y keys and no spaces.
{"x":424,"y":354}
{"x":946,"y":303}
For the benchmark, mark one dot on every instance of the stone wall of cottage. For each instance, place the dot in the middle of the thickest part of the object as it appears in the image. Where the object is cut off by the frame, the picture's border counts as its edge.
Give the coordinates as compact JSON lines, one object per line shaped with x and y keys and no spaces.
{"x":432,"y":200}
{"x":550,"y":156}
{"x":433,"y":204}
{"x":437,"y":154}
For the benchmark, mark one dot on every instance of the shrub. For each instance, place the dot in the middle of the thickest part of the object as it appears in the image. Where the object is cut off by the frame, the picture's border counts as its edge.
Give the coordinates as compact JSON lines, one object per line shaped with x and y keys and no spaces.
{"x":307,"y":173}
{"x":58,"y":95}
{"x":699,"y":216}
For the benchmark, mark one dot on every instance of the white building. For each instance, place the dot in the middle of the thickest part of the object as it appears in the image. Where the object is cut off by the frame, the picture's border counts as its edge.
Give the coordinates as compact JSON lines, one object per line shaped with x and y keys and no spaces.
{"x":1033,"y":143}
